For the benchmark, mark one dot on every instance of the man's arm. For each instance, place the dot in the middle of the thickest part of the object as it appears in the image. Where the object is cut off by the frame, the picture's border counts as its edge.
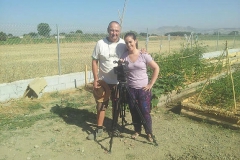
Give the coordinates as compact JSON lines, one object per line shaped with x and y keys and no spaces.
{"x":144,"y":51}
{"x":95,"y":72}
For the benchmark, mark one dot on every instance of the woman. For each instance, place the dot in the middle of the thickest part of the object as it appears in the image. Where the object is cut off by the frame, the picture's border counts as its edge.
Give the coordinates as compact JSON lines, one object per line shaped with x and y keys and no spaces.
{"x":139,"y":86}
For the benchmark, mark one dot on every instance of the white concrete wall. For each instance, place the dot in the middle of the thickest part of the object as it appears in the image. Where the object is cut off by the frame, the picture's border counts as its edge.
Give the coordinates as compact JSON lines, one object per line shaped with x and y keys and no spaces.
{"x":16,"y":89}
{"x":218,"y":53}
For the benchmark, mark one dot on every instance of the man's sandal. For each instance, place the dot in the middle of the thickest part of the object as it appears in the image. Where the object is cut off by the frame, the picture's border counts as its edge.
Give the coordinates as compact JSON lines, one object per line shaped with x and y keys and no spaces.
{"x":135,"y":135}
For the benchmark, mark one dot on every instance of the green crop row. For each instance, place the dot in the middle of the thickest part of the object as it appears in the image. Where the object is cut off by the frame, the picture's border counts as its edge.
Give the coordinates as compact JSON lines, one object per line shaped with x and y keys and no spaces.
{"x":187,"y":66}
{"x":221,"y":92}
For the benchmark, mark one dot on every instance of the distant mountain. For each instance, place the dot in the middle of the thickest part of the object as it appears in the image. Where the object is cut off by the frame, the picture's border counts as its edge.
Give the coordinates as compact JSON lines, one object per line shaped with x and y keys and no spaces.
{"x":166,"y":29}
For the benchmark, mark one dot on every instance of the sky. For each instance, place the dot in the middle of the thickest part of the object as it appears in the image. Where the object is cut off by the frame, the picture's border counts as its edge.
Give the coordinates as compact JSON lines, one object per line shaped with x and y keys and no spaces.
{"x":94,"y":15}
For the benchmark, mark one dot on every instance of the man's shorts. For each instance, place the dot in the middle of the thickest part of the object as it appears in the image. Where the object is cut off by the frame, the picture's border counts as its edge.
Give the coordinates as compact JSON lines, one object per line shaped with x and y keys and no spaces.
{"x":102,"y":106}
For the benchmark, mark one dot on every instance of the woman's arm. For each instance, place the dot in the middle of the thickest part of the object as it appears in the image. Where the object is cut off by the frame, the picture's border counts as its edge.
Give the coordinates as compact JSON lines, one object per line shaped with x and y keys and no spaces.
{"x":154,"y":66}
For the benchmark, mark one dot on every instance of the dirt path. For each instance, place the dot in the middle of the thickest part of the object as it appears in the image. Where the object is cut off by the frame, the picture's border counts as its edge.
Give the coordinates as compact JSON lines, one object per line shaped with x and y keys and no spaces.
{"x":61,"y":138}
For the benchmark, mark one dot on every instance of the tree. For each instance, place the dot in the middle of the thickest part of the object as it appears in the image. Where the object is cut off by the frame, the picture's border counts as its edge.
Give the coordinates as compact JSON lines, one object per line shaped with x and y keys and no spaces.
{"x":33,"y":34}
{"x":79,"y":31}
{"x":143,"y":34}
{"x":62,"y":33}
{"x":216,"y":33}
{"x":10,"y":35}
{"x":3,"y":36}
{"x":233,"y":33}
{"x":44,"y":29}
{"x":123,"y":33}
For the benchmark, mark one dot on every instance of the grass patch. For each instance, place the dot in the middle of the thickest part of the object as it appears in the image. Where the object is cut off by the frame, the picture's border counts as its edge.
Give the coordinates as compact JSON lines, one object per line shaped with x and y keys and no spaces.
{"x":130,"y":156}
{"x":34,"y":107}
{"x":73,"y":105}
{"x":22,"y":121}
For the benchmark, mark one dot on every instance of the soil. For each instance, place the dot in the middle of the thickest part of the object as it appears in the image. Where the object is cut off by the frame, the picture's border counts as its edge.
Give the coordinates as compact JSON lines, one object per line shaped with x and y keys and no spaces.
{"x":178,"y":137}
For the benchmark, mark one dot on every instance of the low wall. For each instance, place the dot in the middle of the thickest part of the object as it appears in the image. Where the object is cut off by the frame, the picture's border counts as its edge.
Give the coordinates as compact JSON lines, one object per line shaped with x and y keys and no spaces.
{"x":16,"y":89}
{"x":218,"y":53}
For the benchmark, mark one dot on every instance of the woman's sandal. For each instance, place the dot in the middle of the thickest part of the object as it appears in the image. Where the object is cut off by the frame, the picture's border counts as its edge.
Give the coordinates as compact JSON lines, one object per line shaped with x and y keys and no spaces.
{"x":135,"y":135}
{"x":149,"y":138}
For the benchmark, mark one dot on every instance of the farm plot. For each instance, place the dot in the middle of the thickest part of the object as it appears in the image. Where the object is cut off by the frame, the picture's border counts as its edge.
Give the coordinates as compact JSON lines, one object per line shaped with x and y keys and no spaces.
{"x":56,"y":127}
{"x":24,"y":61}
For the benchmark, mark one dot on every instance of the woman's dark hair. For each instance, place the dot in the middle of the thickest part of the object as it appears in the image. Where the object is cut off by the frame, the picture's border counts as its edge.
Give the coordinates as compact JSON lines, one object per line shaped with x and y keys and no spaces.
{"x":131,"y":34}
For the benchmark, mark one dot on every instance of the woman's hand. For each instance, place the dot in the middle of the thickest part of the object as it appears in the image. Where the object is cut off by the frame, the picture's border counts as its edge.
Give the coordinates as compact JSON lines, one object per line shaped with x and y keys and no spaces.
{"x":147,"y":87}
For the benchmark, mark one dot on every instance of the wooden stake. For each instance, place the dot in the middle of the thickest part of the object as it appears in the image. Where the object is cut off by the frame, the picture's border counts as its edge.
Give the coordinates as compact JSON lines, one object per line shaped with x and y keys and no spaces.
{"x":86,"y":75}
{"x":210,"y":76}
{"x":229,"y":71}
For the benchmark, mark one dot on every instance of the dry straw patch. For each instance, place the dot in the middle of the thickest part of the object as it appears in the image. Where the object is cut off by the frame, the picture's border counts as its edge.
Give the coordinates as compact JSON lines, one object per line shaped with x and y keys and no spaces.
{"x":26,"y":61}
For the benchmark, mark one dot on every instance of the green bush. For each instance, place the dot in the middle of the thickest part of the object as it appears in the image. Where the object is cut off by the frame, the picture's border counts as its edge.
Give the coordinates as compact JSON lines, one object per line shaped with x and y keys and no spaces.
{"x":178,"y":69}
{"x":220,"y":92}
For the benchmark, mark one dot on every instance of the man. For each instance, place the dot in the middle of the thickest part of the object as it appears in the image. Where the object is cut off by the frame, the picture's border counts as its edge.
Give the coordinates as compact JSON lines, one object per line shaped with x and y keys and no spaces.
{"x":106,"y":51}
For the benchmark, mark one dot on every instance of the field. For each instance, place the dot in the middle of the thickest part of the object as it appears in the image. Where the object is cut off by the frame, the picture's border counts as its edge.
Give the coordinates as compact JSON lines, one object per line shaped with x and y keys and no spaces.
{"x":56,"y":126}
{"x":36,"y":60}
{"x":24,"y":61}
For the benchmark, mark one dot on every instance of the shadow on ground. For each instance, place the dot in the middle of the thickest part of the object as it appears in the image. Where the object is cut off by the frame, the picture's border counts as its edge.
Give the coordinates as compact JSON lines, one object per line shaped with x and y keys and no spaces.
{"x":86,"y":120}
{"x":79,"y":117}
